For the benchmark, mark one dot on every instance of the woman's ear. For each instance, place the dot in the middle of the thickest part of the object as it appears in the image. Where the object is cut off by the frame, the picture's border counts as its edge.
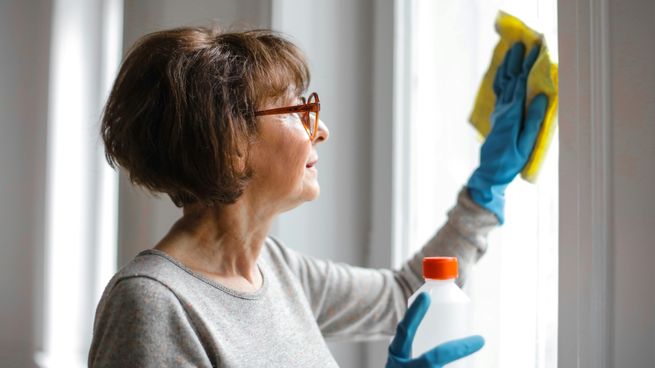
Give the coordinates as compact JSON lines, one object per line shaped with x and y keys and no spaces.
{"x":242,"y":157}
{"x":240,"y":161}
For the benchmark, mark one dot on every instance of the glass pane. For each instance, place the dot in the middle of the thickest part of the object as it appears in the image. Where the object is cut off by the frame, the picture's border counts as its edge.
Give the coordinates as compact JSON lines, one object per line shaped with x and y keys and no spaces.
{"x":311,"y":118}
{"x":514,"y":287}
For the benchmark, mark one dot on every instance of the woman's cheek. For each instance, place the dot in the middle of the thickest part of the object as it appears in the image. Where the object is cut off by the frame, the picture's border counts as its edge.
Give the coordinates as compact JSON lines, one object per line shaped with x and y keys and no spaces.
{"x":296,"y":140}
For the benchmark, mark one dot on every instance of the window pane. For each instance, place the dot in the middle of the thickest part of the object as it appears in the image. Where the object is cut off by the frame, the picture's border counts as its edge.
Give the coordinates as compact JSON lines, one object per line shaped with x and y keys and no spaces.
{"x":514,"y":287}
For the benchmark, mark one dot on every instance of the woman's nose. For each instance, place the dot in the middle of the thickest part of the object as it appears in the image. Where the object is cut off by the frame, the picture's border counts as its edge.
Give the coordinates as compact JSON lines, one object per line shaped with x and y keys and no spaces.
{"x":323,"y":133}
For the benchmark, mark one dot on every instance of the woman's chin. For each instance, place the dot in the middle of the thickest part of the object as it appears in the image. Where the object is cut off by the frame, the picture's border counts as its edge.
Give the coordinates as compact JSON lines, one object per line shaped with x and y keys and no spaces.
{"x":309,"y":193}
{"x":317,"y":194}
{"x":311,"y":187}
{"x":314,"y":191}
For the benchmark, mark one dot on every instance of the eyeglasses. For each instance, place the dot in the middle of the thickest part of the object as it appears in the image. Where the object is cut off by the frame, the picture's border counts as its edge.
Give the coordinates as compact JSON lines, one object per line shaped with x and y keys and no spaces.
{"x":308,"y":110}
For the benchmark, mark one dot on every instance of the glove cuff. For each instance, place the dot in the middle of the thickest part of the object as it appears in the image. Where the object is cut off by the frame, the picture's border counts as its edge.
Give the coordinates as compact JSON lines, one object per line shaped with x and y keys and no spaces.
{"x":489,"y":196}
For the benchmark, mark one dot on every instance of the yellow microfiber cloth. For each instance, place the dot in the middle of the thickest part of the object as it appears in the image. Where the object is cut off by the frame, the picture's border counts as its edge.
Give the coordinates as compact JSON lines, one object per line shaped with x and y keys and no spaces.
{"x":542,"y":79}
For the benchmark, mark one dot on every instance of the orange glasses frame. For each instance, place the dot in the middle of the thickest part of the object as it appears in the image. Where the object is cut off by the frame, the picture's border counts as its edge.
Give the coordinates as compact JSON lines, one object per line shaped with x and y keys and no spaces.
{"x":309,"y":105}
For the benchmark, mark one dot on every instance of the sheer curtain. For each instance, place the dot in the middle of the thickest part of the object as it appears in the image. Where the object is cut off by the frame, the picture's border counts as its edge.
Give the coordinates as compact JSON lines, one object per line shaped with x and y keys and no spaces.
{"x":514,"y":287}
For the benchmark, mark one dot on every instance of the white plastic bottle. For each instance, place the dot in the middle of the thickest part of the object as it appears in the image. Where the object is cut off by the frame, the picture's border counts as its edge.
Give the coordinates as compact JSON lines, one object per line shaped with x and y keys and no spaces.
{"x":449,"y":315}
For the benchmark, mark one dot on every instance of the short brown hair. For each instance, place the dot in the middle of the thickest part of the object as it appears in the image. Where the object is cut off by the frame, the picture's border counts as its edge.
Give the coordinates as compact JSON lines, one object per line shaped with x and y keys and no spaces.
{"x":181,"y":111}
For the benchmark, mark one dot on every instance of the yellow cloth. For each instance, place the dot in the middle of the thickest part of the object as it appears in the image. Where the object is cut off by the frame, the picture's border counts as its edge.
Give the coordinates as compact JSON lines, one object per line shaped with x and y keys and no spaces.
{"x":542,"y":79}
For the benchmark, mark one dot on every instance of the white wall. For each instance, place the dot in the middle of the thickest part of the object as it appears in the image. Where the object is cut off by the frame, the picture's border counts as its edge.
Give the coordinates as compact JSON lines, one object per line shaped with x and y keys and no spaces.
{"x":24,"y":40}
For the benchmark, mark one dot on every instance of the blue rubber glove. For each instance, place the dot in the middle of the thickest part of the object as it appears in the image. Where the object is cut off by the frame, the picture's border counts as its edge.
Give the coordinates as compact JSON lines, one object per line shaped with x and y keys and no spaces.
{"x":400,"y":350}
{"x":513,"y":133}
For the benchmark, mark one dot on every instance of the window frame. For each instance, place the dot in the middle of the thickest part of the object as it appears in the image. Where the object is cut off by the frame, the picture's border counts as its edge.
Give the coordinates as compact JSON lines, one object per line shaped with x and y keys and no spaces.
{"x":585,"y":185}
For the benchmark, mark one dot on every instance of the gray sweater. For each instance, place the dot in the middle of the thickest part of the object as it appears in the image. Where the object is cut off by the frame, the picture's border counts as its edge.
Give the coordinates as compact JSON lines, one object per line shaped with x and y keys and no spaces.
{"x":155,"y":312}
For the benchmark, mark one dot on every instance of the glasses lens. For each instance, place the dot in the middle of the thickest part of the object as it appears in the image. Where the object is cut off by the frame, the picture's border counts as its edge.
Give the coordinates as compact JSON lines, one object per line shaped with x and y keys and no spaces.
{"x":312,"y":120}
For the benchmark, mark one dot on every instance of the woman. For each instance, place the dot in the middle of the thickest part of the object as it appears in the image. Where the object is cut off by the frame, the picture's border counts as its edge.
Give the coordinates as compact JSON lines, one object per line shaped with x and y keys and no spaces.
{"x":215,"y":121}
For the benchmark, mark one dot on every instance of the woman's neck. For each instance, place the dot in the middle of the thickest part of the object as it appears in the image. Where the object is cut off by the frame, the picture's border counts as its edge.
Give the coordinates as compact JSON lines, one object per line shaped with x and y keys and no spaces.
{"x":222,"y":242}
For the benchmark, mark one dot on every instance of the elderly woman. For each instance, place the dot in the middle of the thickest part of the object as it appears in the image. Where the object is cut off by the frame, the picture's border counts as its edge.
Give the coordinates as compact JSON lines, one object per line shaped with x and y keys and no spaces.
{"x":216,"y":121}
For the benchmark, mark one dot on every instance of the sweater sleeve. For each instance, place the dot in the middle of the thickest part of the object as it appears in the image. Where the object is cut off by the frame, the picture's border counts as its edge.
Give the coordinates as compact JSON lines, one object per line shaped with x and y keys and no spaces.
{"x":464,"y":235}
{"x":353,"y":303}
{"x":141,"y":323}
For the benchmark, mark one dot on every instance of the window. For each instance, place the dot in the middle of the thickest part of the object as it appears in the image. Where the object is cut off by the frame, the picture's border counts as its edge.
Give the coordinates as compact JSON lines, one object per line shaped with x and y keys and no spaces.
{"x":82,"y":190}
{"x":514,"y":287}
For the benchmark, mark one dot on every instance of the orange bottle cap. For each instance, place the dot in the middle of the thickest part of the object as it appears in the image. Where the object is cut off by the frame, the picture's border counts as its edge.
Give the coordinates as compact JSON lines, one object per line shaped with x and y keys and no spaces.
{"x":440,"y":268}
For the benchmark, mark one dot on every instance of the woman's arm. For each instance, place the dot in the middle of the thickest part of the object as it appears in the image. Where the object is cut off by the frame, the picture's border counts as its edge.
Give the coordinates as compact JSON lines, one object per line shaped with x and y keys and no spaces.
{"x":354,"y":303}
{"x":464,"y":235}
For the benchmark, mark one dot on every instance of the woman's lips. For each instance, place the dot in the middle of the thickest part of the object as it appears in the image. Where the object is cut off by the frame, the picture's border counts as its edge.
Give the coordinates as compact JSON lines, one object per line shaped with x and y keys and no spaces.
{"x":311,"y":164}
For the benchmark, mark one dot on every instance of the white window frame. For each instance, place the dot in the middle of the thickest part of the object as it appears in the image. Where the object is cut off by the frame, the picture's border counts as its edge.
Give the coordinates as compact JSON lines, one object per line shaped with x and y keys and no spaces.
{"x":585,"y":211}
{"x":82,"y":190}
{"x":585,"y":185}
{"x":389,"y":144}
